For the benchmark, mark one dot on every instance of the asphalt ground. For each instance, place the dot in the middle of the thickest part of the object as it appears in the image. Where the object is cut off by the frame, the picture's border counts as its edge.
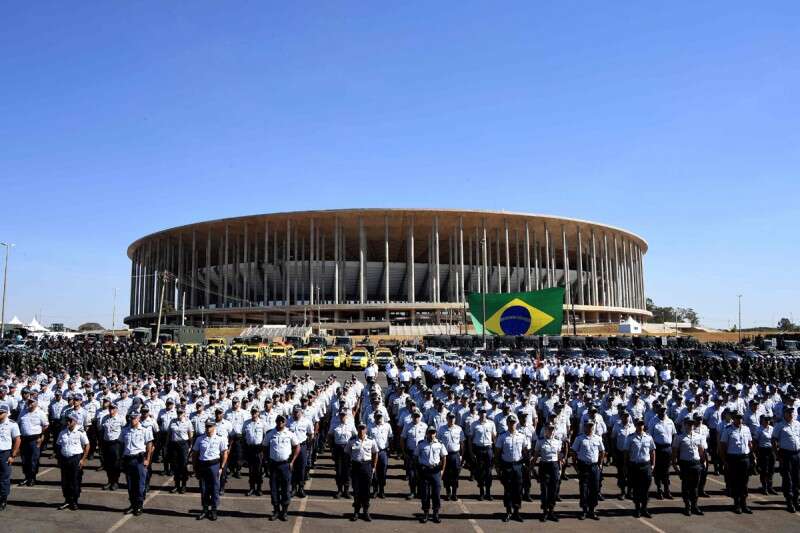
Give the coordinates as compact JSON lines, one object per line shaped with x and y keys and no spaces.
{"x":34,"y":509}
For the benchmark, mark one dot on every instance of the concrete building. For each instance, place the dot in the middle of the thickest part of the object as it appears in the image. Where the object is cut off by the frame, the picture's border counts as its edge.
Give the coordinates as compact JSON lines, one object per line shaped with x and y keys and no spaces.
{"x":364,"y":269}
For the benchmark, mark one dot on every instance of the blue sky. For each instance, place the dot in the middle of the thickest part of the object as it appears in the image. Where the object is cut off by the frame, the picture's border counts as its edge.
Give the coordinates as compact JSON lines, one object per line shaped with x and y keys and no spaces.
{"x":678,"y":121}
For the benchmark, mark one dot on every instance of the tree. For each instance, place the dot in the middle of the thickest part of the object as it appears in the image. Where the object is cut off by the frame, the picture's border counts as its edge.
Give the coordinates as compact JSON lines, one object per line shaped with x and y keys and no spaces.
{"x":90,"y":326}
{"x":784,"y":324}
{"x":671,"y":314}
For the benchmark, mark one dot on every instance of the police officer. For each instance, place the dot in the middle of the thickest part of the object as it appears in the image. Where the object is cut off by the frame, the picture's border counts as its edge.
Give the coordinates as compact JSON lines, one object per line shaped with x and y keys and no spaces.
{"x":431,"y":456}
{"x":210,"y":454}
{"x":735,"y":447}
{"x":283,"y":449}
{"x":111,"y":425}
{"x":137,"y":452}
{"x":619,"y":435}
{"x":588,"y":452}
{"x":236,"y":416}
{"x":452,"y":436}
{"x":640,"y":459}
{"x":381,"y":432}
{"x":412,"y":435}
{"x":340,"y":432}
{"x":786,"y":440}
{"x":253,"y":432}
{"x":180,"y":435}
{"x":9,"y":449}
{"x":688,"y":454}
{"x":54,"y":410}
{"x":549,"y":454}
{"x":72,"y":451}
{"x":32,"y":426}
{"x":363,"y":453}
{"x":483,"y":434}
{"x":765,"y":454}
{"x":511,"y":450}
{"x":663,"y":431}
{"x":303,"y":428}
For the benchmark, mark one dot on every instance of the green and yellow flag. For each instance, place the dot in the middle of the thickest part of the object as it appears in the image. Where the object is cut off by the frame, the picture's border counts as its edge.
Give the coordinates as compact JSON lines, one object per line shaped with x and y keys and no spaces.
{"x":519,"y":313}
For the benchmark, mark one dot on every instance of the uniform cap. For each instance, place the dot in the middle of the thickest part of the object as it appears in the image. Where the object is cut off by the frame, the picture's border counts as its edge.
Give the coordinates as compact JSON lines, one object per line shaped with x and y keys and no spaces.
{"x":210,"y":423}
{"x":135,"y":414}
{"x":74,"y":416}
{"x":3,"y":408}
{"x":362,"y":425}
{"x":254,"y":409}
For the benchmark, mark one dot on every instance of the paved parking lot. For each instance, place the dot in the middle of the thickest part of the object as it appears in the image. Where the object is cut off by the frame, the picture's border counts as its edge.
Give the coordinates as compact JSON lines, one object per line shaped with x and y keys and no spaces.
{"x":34,"y":509}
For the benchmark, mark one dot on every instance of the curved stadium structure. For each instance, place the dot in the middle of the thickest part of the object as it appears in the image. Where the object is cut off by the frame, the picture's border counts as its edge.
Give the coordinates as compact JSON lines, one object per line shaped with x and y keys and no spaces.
{"x":364,"y":270}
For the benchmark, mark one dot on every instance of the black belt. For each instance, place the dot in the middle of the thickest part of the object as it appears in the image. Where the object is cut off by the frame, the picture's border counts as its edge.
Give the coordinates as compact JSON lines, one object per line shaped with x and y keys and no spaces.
{"x":737,"y":455}
{"x":514,"y":462}
{"x":481,"y":448}
{"x":137,"y":456}
{"x":662,"y":446}
{"x":209,"y":463}
{"x":641,"y":464}
{"x":278,"y":462}
{"x":31,"y":437}
{"x":586,"y":463}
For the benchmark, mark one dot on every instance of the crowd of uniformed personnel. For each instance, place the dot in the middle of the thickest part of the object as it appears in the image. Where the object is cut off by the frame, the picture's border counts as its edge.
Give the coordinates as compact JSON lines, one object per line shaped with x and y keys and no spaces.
{"x":517,"y":423}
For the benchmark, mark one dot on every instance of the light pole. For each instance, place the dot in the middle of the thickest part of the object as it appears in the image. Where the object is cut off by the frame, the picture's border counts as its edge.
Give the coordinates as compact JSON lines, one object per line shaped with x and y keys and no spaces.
{"x":5,"y":282}
{"x":483,"y":293}
{"x":739,"y":296}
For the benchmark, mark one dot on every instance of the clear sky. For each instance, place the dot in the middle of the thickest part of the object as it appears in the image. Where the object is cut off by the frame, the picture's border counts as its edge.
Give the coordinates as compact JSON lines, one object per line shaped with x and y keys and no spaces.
{"x":679,"y":121}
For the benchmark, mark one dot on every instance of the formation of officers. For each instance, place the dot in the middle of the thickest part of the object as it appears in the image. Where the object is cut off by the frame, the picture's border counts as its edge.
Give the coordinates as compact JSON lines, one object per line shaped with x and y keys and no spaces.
{"x":513,"y":428}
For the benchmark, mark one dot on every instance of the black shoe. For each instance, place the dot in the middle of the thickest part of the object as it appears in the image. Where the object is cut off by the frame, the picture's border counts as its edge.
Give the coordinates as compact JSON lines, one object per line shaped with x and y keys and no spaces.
{"x":747,"y":510}
{"x":593,"y":515}
{"x":601,"y":498}
{"x":790,"y":507}
{"x":506,"y":517}
{"x":73,"y":506}
{"x":337,"y":495}
{"x":129,"y":510}
{"x":203,"y":514}
{"x":659,"y":495}
{"x":236,"y":475}
{"x":480,"y":497}
{"x":696,"y":510}
{"x":273,"y":516}
{"x":173,"y":490}
{"x":772,"y":491}
{"x":22,"y":483}
{"x":435,"y":519}
{"x":251,"y":492}
{"x":526,"y":498}
{"x":410,"y":496}
{"x":687,"y":511}
{"x":668,"y":495}
{"x":213,"y":515}
{"x":181,"y":489}
{"x":346,"y":493}
{"x":516,"y":517}
{"x":354,"y":517}
{"x":454,"y":497}
{"x":221,"y":492}
{"x":543,"y":517}
{"x":646,"y":513}
{"x":382,"y":496}
{"x":582,"y":516}
{"x":637,"y":513}
{"x":138,"y":511}
{"x":424,"y":518}
{"x":704,"y":494}
{"x":737,"y":510}
{"x":553,"y":517}
{"x":488,"y":497}
{"x":63,"y":506}
{"x":2,"y":506}
{"x":621,"y":496}
{"x":366,"y":517}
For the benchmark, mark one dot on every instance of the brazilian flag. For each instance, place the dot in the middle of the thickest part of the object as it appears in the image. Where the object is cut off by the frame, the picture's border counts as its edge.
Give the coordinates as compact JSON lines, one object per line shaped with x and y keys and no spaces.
{"x":519,"y":313}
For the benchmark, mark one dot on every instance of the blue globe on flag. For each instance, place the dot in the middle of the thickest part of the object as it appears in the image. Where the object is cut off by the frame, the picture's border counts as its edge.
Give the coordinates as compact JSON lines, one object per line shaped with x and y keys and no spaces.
{"x":515,"y":320}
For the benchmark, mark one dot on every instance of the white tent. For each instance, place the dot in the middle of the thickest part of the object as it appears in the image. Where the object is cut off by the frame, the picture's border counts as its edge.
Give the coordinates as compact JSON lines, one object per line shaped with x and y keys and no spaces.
{"x":16,"y":321}
{"x":35,"y":326}
{"x":630,"y":326}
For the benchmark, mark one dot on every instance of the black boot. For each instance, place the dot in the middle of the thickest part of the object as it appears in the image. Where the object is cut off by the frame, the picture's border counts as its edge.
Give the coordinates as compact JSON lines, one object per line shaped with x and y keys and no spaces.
{"x":213,"y":515}
{"x":435,"y":518}
{"x":507,"y":516}
{"x":274,"y":515}
{"x":203,"y":513}
{"x":515,"y":515}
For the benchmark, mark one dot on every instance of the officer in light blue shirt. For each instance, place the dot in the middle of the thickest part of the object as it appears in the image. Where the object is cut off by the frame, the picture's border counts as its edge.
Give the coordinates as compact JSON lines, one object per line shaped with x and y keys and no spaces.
{"x":9,"y":449}
{"x":210,"y":453}
{"x":511,"y":449}
{"x":179,"y":442}
{"x":32,"y":426}
{"x":253,"y":431}
{"x":549,"y":454}
{"x":283,"y":449}
{"x":452,"y":436}
{"x":72,"y":451}
{"x":640,"y":458}
{"x":786,"y":440}
{"x":431,"y":456}
{"x":588,"y":451}
{"x":735,"y":447}
{"x":381,"y":432}
{"x":689,"y":453}
{"x":663,"y":431}
{"x":137,"y":451}
{"x":111,"y":425}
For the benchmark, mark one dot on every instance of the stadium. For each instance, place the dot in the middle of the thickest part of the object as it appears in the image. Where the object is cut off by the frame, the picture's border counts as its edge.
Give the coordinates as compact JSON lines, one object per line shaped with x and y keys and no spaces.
{"x":390,"y":271}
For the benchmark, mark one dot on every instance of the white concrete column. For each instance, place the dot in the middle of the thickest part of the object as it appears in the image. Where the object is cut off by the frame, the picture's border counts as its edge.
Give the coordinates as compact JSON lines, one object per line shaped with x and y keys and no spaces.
{"x":462,"y":295}
{"x":595,"y":297}
{"x":386,"y":258}
{"x":436,"y":284}
{"x":547,"y":255}
{"x":311,"y":259}
{"x":336,"y":255}
{"x":567,"y":285}
{"x":266,"y":263}
{"x":362,"y":262}
{"x":411,"y":266}
{"x":508,"y":259}
{"x":579,"y":257}
{"x":287,"y":252}
{"x":604,"y":274}
{"x":528,"y":286}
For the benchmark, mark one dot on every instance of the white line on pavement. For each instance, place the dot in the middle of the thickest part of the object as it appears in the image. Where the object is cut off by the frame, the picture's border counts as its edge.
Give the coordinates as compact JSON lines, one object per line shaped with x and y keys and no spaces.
{"x":298,"y":523}
{"x":472,"y":521}
{"x":642,"y":520}
{"x":121,"y":521}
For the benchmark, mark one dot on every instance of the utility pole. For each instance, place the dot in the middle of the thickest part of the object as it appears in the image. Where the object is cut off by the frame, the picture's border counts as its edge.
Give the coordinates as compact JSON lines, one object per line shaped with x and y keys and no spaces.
{"x":483,"y":294}
{"x":5,"y":282}
{"x":114,"y":312}
{"x":739,"y":296}
{"x":161,"y":305}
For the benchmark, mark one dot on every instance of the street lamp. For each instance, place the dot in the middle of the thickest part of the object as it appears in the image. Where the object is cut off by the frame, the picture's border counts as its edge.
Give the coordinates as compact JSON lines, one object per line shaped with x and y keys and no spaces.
{"x":739,"y":296}
{"x":5,"y":282}
{"x":483,"y":292}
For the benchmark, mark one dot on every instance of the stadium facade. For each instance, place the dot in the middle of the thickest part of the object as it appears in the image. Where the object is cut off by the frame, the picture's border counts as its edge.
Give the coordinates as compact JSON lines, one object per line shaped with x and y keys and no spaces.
{"x":364,"y":270}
